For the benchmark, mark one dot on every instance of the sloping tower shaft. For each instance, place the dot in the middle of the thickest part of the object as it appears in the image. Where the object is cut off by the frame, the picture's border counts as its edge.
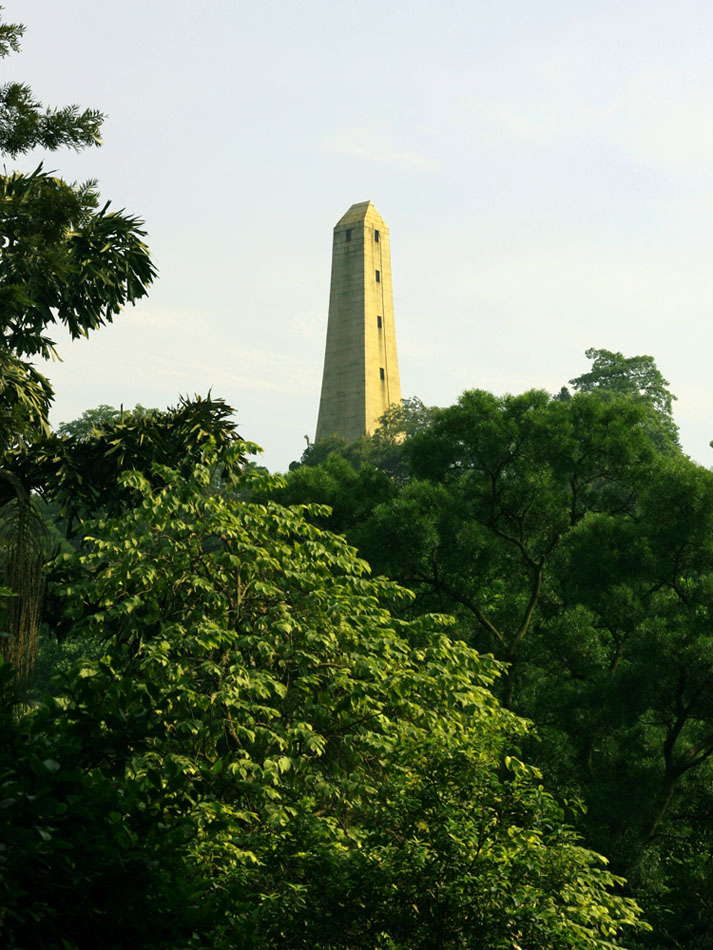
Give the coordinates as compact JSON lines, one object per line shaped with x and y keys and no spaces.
{"x":361,"y":371}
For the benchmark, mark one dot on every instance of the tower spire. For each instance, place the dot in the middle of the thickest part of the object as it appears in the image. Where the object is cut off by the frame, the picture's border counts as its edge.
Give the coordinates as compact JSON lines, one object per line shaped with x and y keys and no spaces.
{"x":361,"y":371}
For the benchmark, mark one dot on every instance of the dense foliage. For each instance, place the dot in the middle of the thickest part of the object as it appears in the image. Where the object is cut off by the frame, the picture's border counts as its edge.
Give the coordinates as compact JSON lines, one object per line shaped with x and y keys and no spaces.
{"x":64,"y":258}
{"x":304,"y":769}
{"x":570,"y":537}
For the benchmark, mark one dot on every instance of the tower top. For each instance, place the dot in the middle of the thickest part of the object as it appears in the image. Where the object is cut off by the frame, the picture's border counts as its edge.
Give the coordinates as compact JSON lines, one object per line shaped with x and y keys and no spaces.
{"x":359,"y":213}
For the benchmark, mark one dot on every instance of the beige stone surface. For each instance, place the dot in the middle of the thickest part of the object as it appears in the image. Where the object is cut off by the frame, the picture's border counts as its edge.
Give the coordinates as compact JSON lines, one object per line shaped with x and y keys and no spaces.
{"x":361,"y":371}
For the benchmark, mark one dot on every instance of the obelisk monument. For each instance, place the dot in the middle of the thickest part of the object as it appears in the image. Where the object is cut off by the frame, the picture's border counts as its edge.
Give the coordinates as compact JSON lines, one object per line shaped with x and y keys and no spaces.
{"x":361,"y":371}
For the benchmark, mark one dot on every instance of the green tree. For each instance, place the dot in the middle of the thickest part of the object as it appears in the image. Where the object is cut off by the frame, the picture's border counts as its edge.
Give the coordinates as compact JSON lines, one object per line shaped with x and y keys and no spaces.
{"x":322,"y":774}
{"x":349,"y":492}
{"x":25,"y":124}
{"x":383,"y":449}
{"x":634,"y":376}
{"x":571,"y":540}
{"x":646,"y":588}
{"x":93,"y":422}
{"x":64,"y":258}
{"x":498,"y":483}
{"x":77,"y":477}
{"x":80,"y":473}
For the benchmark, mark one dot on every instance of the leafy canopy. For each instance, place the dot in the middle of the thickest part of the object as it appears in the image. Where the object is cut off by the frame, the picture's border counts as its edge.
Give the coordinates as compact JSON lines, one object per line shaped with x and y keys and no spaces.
{"x":571,"y":537}
{"x":65,"y":257}
{"x":325,"y":774}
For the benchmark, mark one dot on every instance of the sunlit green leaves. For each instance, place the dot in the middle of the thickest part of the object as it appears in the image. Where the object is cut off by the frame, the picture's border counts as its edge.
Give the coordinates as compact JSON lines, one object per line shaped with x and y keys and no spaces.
{"x":63,"y":261}
{"x":347,"y":776}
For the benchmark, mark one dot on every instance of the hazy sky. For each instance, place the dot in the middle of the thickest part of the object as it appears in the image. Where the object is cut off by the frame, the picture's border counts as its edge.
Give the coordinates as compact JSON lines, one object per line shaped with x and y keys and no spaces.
{"x":545,"y":169}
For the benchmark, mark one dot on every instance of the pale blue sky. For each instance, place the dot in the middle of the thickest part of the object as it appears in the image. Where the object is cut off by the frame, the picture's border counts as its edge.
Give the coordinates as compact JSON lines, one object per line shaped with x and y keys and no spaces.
{"x":545,"y":168}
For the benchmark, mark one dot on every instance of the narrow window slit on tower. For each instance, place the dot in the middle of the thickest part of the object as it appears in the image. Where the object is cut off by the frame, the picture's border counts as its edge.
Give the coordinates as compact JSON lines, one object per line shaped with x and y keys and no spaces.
{"x":381,"y":372}
{"x":378,"y":277}
{"x":378,"y":321}
{"x":349,"y":234}
{"x":376,"y":235}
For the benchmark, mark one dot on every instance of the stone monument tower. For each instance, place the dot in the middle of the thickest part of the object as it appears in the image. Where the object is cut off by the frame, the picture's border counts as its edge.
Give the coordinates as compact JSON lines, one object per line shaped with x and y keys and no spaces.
{"x":361,"y":371}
